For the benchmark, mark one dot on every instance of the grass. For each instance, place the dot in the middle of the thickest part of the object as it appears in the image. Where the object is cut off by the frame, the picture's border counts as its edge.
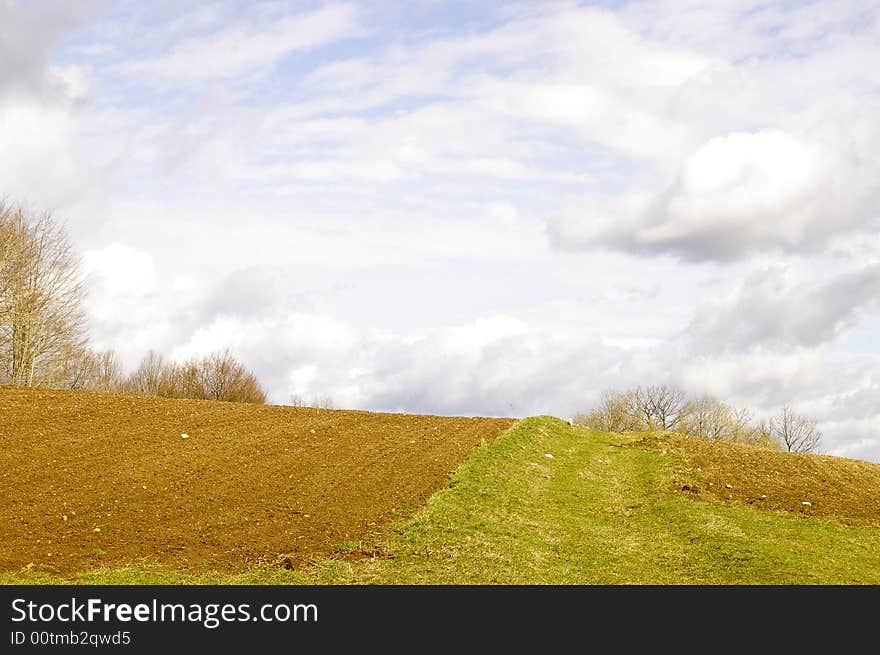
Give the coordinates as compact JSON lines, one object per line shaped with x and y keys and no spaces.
{"x":602,"y":510}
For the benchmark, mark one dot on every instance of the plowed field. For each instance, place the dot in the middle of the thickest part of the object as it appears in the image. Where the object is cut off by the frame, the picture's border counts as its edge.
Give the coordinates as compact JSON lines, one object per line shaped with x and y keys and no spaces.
{"x":101,"y":480}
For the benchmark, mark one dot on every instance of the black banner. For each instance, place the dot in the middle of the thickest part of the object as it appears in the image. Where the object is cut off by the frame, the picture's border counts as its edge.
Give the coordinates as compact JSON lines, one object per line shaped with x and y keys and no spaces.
{"x":286,"y":618}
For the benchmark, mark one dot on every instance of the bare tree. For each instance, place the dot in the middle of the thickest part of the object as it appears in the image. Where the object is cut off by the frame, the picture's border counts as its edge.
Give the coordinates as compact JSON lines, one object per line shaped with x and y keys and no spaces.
{"x":146,"y":380}
{"x":709,"y":418}
{"x":171,"y":384}
{"x":108,"y":376}
{"x":319,"y":402}
{"x":9,"y":245}
{"x":661,"y":406}
{"x":217,"y":376}
{"x":41,"y":317}
{"x":224,"y":378}
{"x":10,"y":253}
{"x":664,"y":407}
{"x":617,"y":411}
{"x":92,"y":371}
{"x":742,"y":427}
{"x":798,"y":433}
{"x":78,"y":368}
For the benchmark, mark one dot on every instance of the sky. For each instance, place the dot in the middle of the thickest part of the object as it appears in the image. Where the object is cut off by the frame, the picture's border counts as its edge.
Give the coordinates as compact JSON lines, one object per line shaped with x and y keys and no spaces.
{"x":477,"y":208}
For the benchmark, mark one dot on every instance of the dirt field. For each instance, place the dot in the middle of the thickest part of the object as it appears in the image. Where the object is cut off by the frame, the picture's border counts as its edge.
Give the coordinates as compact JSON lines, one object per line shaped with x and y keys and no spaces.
{"x":843,"y":489}
{"x":90,"y":480}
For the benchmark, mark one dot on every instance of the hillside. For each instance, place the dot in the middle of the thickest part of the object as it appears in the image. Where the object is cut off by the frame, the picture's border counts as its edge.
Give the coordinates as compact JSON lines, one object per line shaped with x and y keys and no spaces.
{"x":611,"y":509}
{"x":843,"y":489}
{"x":100,"y":480}
{"x":541,"y":502}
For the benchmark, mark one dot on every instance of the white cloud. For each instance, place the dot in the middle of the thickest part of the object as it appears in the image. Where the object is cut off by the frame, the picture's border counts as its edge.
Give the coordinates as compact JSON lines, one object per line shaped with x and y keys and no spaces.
{"x":119,"y":271}
{"x":745,"y":189}
{"x":42,"y":104}
{"x":854,"y":439}
{"x":29,"y":32}
{"x":241,"y":49}
{"x":595,"y":114}
{"x":781,"y":307}
{"x":127,"y":307}
{"x":36,"y":143}
{"x":736,"y":194}
{"x":73,"y":81}
{"x":329,"y":170}
{"x":759,"y":377}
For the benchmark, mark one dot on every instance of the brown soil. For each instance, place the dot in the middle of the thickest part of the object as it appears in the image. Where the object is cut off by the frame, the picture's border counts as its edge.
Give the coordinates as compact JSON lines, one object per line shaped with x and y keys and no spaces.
{"x":90,"y":480}
{"x":847,"y":490}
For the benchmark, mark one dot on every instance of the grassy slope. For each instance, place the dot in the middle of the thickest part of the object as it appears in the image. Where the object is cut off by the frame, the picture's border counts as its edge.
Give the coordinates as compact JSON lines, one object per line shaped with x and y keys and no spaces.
{"x":596,"y":512}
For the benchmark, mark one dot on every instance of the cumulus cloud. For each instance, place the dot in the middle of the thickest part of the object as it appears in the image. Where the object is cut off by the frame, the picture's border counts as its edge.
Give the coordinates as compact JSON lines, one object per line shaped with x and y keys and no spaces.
{"x":851,"y":438}
{"x":840,"y":391}
{"x":736,"y":194}
{"x":746,"y":189}
{"x":494,"y":365}
{"x":763,"y":141}
{"x":131,"y":307}
{"x":29,"y":31}
{"x":773,"y":340}
{"x":245,"y":292}
{"x":118,"y":270}
{"x":491,"y":365}
{"x":778,"y":308}
{"x":760,"y":377}
{"x":41,"y":104}
{"x":847,"y":413}
{"x":36,"y":142}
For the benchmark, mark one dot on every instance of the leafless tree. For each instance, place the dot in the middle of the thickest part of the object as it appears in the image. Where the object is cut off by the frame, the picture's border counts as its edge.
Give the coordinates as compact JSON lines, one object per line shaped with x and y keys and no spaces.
{"x":41,"y":292}
{"x":707,"y":417}
{"x":711,"y":418}
{"x":224,"y":378}
{"x":325,"y":402}
{"x":217,"y":376}
{"x":9,"y":245}
{"x":146,"y":380}
{"x":171,"y":382}
{"x":10,"y":253}
{"x":668,"y":408}
{"x":796,"y":432}
{"x":319,"y":402}
{"x":78,"y":368}
{"x":661,"y":406}
{"x":617,"y":411}
{"x":108,"y":376}
{"x":93,"y":371}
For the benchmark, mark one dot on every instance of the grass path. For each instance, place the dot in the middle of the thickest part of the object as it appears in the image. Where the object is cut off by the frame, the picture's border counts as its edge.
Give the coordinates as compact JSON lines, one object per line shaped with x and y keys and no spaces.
{"x":599,"y":511}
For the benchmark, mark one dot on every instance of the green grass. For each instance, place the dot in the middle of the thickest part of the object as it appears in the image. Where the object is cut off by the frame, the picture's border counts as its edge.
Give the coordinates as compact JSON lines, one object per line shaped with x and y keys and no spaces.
{"x":597,"y":512}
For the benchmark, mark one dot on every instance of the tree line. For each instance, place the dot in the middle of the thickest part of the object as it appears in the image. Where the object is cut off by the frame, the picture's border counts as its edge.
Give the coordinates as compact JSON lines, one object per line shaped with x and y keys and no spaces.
{"x":216,"y":376}
{"x":43,"y":336}
{"x":667,"y":407}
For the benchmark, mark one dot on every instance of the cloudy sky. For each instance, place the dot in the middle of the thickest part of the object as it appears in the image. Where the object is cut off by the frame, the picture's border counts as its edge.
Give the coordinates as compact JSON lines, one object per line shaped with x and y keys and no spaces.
{"x":470,"y":208}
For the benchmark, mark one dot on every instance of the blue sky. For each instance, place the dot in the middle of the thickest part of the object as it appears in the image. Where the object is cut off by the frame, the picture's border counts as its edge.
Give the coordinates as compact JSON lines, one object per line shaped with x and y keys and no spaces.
{"x":477,"y":208}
